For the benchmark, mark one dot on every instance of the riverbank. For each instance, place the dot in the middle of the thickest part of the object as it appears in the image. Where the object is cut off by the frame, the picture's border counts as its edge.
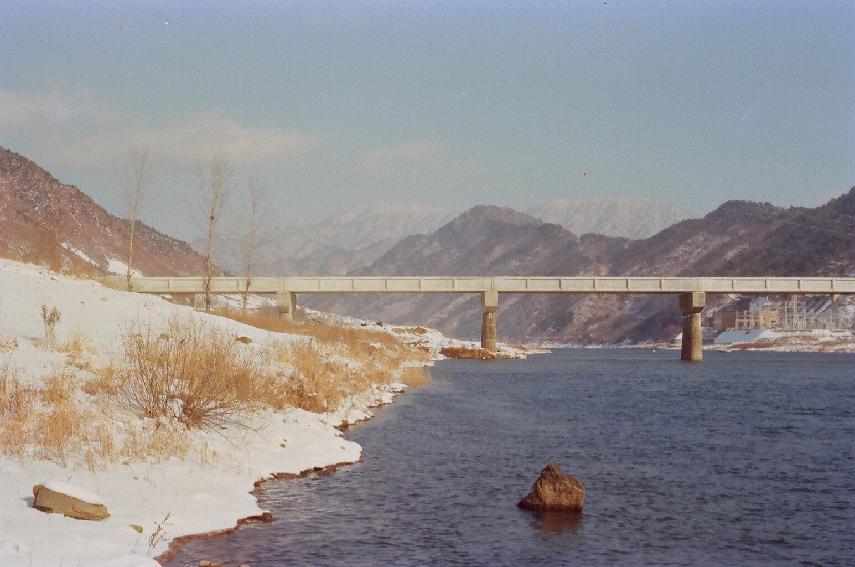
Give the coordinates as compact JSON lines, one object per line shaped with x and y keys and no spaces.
{"x":159,"y":480}
{"x":411,"y":378}
{"x":809,"y":341}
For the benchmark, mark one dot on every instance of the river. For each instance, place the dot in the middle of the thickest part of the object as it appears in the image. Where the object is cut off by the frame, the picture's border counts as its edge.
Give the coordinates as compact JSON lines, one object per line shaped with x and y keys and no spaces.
{"x":744,"y":459}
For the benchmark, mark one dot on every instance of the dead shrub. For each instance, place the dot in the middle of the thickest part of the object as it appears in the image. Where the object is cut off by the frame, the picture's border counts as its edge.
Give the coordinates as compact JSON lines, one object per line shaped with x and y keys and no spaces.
{"x":50,"y":319}
{"x":192,"y":373}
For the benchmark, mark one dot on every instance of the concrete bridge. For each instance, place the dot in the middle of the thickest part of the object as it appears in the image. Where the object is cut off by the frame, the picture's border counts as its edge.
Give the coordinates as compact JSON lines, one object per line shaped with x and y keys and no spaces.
{"x":691,"y":291}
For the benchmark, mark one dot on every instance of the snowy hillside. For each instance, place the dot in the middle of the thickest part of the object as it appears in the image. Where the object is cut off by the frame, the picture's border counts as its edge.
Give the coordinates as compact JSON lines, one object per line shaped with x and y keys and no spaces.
{"x":196,"y":479}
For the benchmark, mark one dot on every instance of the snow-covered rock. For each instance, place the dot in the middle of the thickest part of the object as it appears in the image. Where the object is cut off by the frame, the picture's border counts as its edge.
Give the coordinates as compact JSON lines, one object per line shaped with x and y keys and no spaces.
{"x":57,"y":497}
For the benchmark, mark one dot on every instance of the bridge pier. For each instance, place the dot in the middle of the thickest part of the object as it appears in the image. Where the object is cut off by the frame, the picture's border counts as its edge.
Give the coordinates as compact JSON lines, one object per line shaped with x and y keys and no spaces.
{"x":286,"y":302}
{"x":489,"y":305}
{"x":691,"y":305}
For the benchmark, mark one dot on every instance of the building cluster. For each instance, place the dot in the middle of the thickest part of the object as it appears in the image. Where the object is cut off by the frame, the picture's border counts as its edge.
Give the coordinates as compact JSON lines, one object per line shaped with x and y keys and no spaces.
{"x":795,"y":313}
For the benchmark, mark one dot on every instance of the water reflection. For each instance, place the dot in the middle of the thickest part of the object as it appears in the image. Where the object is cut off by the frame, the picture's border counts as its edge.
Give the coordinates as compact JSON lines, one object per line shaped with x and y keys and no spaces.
{"x":552,"y":522}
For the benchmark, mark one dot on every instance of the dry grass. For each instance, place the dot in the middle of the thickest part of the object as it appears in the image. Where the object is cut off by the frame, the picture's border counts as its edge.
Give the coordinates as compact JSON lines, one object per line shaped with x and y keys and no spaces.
{"x":60,"y":430}
{"x":157,"y":441}
{"x":269,"y":320}
{"x":8,"y":342}
{"x":104,"y":381}
{"x":51,"y":423}
{"x":44,"y":423}
{"x":80,"y":350}
{"x":193,"y":373}
{"x":362,"y":343}
{"x":17,"y":403}
{"x":142,"y":406}
{"x":471,"y":353}
{"x":50,"y":318}
{"x":318,"y":381}
{"x":58,"y":388}
{"x":338,"y":362}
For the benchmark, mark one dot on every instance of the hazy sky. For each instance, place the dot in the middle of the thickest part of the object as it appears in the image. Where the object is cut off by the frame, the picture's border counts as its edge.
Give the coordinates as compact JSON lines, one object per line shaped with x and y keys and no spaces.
{"x":335,"y":104}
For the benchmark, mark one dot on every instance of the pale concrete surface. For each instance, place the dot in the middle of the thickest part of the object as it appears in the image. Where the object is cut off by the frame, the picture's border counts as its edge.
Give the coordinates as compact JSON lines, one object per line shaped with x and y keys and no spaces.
{"x":503,"y":284}
{"x":691,"y":304}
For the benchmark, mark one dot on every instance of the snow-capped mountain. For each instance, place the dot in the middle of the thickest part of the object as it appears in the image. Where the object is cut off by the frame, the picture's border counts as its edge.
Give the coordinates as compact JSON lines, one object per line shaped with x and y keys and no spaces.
{"x":336,"y":244}
{"x":629,"y":217}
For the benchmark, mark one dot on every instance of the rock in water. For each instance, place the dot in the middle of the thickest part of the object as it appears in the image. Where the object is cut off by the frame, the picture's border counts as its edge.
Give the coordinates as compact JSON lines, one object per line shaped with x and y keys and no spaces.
{"x":68,"y":500}
{"x":554,"y":490}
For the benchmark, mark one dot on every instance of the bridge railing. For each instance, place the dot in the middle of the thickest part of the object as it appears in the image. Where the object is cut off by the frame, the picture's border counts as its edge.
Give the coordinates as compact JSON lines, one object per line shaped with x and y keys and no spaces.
{"x":502,"y":284}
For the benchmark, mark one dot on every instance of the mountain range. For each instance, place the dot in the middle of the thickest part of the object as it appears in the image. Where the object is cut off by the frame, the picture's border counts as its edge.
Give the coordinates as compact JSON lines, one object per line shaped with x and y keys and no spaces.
{"x":738,"y":238}
{"x":339,"y":243}
{"x":45,"y":221}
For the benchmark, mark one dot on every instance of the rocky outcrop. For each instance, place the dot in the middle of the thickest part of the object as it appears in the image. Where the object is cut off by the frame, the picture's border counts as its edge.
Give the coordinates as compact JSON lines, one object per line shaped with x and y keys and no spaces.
{"x":68,"y":500}
{"x":555,"y":491}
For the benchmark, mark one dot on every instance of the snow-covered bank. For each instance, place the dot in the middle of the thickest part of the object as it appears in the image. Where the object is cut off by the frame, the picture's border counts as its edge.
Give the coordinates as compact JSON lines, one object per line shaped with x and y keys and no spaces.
{"x":816,"y":340}
{"x":208,"y":489}
{"x":427,"y":339}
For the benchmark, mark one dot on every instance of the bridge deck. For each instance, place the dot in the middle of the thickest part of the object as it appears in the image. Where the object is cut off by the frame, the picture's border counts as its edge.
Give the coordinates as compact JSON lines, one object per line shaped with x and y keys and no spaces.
{"x":503,"y":284}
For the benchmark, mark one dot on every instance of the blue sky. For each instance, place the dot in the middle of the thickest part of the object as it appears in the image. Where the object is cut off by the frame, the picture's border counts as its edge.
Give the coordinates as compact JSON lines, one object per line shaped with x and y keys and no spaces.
{"x":336,"y":104}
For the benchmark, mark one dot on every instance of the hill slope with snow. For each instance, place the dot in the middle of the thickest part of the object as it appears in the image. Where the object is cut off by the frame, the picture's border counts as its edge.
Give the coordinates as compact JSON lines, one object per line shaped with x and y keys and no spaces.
{"x":206,"y":489}
{"x":45,"y":221}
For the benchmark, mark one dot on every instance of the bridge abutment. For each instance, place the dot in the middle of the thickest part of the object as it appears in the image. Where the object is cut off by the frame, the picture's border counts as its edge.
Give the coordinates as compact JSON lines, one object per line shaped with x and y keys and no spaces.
{"x":691,"y":305}
{"x":489,"y":306}
{"x":286,"y":302}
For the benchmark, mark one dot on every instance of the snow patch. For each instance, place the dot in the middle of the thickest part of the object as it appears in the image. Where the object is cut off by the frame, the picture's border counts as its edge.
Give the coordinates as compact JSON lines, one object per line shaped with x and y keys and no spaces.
{"x":74,"y":492}
{"x":79,"y":253}
{"x":120,"y":268}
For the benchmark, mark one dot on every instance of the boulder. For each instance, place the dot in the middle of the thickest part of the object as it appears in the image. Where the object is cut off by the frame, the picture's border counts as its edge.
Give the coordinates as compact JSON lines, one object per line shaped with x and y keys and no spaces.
{"x":61,"y":498}
{"x":554,"y":491}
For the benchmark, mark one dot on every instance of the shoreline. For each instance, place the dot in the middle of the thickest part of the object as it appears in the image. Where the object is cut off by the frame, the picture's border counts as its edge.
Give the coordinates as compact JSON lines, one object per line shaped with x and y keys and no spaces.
{"x":172,"y":484}
{"x":177,"y":544}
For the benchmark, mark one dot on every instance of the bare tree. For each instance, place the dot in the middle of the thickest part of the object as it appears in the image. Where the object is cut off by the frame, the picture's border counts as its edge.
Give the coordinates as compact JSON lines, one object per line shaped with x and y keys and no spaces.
{"x":251,"y":242}
{"x":213,"y":190}
{"x":137,"y":184}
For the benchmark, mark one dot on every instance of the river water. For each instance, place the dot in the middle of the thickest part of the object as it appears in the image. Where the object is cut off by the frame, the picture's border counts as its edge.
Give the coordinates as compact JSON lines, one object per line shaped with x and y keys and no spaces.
{"x":745,"y":459}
